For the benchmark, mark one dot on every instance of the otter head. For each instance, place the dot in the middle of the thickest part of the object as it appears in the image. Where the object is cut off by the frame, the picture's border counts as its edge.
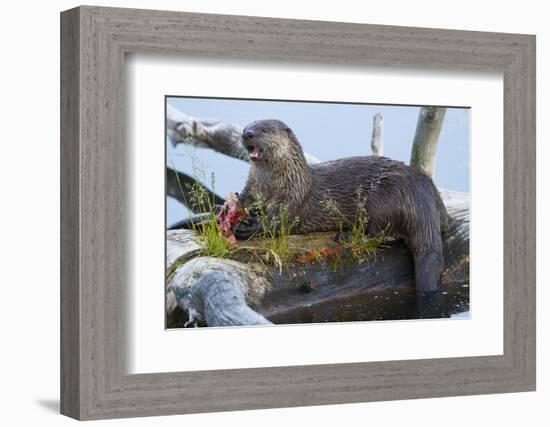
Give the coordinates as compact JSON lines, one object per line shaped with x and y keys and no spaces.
{"x":270,"y":141}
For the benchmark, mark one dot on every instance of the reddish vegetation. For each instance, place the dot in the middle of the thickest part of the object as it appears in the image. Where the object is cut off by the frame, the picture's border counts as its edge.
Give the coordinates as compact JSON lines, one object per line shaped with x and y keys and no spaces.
{"x":229,"y":217}
{"x":323,"y":253}
{"x":308,"y":257}
{"x":328,"y":252}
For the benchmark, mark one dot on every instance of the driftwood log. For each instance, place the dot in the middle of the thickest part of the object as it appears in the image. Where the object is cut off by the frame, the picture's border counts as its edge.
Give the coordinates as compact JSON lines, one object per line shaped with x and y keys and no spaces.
{"x":215,"y":292}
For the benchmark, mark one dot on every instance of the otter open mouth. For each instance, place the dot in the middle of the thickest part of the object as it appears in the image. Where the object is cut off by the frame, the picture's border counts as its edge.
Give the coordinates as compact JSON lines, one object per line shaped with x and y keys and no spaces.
{"x":254,"y":151}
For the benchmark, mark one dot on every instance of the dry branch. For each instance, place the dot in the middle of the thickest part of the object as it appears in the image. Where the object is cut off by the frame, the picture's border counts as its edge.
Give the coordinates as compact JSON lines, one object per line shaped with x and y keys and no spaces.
{"x":219,"y":136}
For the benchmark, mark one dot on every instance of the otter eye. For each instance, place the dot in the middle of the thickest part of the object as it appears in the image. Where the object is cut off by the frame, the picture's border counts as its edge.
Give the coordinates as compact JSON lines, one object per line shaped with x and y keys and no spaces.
{"x":264,"y":130}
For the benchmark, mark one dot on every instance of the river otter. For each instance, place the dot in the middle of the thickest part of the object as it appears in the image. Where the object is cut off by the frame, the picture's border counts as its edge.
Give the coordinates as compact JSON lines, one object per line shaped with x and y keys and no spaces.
{"x":399,"y":199}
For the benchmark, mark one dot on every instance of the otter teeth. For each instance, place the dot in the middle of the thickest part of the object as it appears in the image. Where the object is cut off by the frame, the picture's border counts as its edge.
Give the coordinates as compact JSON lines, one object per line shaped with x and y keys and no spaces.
{"x":253,"y":152}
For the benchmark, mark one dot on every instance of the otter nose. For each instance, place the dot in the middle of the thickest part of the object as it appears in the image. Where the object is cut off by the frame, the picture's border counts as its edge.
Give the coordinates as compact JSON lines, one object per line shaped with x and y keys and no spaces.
{"x":248,"y":134}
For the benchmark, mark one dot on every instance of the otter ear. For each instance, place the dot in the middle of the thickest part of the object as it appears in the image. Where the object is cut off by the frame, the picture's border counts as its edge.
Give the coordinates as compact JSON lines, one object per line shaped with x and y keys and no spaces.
{"x":290,"y":134}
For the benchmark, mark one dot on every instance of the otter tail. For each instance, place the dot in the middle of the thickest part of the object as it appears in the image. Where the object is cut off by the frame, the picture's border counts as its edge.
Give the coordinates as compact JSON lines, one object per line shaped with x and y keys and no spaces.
{"x":428,"y":266}
{"x":427,"y":246}
{"x":444,"y":218}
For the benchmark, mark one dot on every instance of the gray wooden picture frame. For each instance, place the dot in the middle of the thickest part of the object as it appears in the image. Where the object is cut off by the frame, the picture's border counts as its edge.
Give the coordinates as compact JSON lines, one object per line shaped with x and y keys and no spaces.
{"x":94,"y":41}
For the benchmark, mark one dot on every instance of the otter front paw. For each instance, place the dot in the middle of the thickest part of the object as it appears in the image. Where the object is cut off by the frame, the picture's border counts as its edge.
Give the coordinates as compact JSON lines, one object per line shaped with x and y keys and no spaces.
{"x":247,"y":228}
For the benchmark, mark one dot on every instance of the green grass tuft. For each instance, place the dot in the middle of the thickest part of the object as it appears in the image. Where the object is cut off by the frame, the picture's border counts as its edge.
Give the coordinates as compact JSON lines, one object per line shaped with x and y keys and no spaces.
{"x":360,"y":245}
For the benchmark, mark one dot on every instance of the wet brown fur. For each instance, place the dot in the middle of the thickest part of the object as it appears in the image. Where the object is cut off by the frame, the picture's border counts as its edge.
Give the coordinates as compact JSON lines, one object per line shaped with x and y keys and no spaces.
{"x":399,"y":199}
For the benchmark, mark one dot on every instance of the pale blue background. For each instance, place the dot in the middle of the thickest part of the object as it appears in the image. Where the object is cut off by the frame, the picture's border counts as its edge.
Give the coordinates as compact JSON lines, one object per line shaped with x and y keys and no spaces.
{"x":328,"y":131}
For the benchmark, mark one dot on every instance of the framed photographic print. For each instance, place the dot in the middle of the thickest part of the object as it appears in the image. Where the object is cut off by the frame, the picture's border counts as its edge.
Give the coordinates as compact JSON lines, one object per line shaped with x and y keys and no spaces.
{"x":327,"y":249}
{"x":303,"y":212}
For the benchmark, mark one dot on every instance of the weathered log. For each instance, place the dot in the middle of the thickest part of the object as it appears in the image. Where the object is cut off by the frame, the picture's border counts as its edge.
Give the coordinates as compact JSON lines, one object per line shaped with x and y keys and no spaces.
{"x":207,"y":133}
{"x":224,"y":292}
{"x":426,"y":137}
